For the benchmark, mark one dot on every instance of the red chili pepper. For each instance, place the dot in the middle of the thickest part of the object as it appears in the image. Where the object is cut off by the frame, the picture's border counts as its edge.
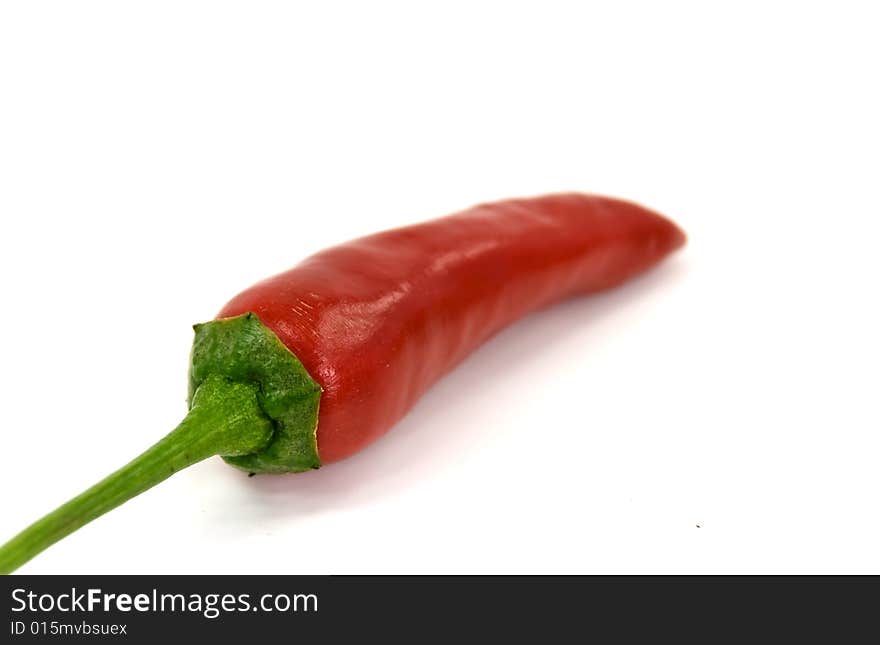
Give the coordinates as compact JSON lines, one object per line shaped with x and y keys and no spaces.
{"x":310,"y":366}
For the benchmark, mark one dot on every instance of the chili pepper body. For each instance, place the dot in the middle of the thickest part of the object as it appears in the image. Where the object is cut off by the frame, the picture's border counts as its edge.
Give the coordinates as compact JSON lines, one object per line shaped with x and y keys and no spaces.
{"x":377,"y":320}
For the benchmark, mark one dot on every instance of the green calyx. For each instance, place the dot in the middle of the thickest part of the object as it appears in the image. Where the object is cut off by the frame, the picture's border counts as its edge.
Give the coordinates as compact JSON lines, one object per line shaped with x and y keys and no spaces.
{"x":251,"y":402}
{"x":242,"y":349}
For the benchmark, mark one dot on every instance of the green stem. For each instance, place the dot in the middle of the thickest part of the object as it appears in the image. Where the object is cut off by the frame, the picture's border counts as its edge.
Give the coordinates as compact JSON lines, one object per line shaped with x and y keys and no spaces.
{"x":225,"y":419}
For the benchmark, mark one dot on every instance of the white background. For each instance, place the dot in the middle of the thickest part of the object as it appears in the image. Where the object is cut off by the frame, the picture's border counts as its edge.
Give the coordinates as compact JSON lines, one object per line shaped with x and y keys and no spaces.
{"x":717,"y":415}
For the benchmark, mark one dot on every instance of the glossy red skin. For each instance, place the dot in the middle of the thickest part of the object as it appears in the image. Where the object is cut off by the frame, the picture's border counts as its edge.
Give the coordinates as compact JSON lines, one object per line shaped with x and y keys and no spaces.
{"x":377,"y":320}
